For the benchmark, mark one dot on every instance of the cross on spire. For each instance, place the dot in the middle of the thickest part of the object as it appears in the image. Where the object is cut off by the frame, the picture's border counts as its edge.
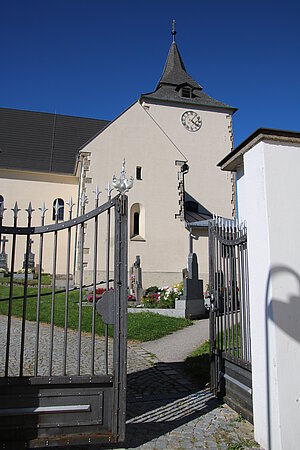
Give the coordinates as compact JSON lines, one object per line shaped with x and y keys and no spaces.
{"x":173,"y":30}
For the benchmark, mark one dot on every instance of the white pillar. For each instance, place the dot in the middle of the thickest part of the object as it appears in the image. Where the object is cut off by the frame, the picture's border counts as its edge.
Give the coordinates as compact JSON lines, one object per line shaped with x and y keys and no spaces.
{"x":272,"y":199}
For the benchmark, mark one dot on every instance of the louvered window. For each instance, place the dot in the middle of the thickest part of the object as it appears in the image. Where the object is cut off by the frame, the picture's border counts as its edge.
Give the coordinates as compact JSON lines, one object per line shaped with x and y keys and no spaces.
{"x":186,"y":92}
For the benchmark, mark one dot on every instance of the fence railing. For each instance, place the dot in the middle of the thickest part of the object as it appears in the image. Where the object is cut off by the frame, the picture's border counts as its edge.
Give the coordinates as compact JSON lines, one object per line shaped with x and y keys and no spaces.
{"x":229,"y":289}
{"x":46,"y":356}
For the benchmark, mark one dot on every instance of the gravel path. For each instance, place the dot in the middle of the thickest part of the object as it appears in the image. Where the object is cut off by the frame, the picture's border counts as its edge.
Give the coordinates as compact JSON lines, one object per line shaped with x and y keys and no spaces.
{"x":137,"y":358}
{"x":165,"y":409}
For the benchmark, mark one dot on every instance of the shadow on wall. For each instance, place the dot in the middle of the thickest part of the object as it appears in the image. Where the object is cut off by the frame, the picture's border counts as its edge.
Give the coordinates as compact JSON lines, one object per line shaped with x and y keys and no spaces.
{"x":284,"y":313}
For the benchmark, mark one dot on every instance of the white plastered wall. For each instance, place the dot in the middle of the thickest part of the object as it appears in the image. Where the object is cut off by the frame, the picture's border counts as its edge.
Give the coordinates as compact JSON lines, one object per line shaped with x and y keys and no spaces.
{"x":37,"y":188}
{"x":153,"y":138}
{"x":268,"y":193}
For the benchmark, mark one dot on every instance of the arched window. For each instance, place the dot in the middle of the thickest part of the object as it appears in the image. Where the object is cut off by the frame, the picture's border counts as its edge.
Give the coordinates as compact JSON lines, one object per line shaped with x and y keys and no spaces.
{"x":1,"y":200}
{"x":137,"y":222}
{"x":60,"y":209}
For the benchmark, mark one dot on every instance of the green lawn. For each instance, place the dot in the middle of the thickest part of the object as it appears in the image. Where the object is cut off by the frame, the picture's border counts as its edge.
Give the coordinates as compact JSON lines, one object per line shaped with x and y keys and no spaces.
{"x":46,"y":280}
{"x":141,"y":327}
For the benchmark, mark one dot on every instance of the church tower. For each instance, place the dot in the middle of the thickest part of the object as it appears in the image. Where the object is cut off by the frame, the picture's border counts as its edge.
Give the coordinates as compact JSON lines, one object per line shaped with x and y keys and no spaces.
{"x":165,"y":132}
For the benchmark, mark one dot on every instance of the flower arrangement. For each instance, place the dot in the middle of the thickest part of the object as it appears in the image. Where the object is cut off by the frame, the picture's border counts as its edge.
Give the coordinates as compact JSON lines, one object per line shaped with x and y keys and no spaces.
{"x":99,"y":293}
{"x":164,"y":297}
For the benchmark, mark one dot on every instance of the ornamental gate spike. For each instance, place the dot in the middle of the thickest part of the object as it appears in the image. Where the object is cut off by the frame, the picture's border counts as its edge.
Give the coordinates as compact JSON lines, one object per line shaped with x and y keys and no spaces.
{"x":70,"y":205}
{"x":29,"y":210}
{"x":122,"y":184}
{"x":83,"y":201}
{"x":56,"y":208}
{"x":16,"y":209}
{"x":97,"y":192}
{"x":43,"y":210}
{"x":109,"y":189}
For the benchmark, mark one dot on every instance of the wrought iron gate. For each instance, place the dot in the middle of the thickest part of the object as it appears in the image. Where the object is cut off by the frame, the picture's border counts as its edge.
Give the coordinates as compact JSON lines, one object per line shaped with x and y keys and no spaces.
{"x":59,"y":386}
{"x":230,"y":349}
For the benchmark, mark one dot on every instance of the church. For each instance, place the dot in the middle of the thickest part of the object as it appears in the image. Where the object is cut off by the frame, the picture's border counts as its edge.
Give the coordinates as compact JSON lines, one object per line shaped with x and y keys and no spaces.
{"x":171,"y":139}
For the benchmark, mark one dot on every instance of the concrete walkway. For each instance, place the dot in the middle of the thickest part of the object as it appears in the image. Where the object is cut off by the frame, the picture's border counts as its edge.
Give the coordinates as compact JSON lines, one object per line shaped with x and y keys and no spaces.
{"x":177,"y":346}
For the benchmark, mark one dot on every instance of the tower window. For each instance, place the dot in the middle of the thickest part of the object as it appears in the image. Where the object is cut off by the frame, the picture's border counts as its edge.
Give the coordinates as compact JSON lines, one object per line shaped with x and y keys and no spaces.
{"x":186,"y":92}
{"x":138,"y":173}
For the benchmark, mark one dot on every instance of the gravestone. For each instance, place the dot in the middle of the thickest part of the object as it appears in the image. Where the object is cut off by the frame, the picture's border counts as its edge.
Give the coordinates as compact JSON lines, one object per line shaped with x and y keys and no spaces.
{"x":137,"y":279}
{"x":3,"y":255}
{"x":30,"y":257}
{"x":192,"y":298}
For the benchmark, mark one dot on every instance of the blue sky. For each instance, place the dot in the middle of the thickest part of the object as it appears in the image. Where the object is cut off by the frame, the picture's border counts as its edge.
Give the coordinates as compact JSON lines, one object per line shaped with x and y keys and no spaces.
{"x":94,"y":58}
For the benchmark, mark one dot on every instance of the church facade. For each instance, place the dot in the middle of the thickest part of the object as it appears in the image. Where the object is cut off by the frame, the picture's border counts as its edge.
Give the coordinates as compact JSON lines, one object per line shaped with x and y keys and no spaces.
{"x":171,"y":139}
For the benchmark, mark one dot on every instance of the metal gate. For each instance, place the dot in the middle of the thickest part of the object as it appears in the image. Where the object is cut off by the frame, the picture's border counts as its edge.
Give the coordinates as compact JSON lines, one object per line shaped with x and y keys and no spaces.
{"x":60,"y":386}
{"x":230,"y":341}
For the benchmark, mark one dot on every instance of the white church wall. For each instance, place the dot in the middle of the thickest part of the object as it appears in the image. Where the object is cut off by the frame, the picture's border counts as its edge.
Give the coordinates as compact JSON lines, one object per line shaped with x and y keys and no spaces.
{"x":145,"y":143}
{"x":37,"y":188}
{"x":203,"y":149}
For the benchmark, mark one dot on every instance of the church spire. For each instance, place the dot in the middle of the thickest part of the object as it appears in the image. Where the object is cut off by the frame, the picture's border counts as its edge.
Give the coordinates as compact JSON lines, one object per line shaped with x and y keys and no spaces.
{"x":174,"y":72}
{"x":176,"y":85}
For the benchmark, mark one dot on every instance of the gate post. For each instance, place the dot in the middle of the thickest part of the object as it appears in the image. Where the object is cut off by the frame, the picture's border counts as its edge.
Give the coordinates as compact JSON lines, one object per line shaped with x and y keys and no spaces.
{"x":120,"y":329}
{"x":212,"y":313}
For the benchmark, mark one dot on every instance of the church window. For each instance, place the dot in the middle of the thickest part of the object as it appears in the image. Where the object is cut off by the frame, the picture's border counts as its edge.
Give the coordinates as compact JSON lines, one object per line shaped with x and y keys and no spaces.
{"x":138,"y":173}
{"x":137,"y":222}
{"x":1,"y":200}
{"x":186,"y":92}
{"x":61,"y":208}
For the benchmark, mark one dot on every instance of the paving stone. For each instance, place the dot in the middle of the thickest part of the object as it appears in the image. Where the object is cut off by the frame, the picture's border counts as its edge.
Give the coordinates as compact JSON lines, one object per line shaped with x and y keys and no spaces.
{"x":165,"y":410}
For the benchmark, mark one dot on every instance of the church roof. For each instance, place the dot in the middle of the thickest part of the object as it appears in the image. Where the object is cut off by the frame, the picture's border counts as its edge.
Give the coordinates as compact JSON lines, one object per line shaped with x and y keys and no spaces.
{"x":174,"y":81}
{"x":43,"y":142}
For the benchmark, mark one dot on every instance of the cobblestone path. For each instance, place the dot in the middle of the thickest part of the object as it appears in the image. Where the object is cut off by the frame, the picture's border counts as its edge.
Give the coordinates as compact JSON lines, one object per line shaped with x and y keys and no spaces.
{"x":165,"y":410}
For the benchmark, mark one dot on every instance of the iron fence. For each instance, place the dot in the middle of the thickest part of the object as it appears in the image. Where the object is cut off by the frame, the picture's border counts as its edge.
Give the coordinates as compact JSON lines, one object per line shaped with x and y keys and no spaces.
{"x":230,"y":337}
{"x":35,"y":356}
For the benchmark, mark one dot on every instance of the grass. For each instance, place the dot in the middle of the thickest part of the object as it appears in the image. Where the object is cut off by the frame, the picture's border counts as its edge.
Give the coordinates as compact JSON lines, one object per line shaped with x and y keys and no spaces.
{"x":148,"y":326}
{"x":141,"y":327}
{"x":46,"y":280}
{"x":197,"y":364}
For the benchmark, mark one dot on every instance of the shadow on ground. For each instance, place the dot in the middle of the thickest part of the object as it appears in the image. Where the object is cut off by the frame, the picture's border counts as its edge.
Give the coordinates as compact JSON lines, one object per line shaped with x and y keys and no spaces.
{"x":159,"y":400}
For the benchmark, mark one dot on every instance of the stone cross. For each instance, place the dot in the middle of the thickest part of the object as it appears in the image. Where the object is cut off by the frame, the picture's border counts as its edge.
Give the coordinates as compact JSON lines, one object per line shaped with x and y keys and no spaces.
{"x":4,"y":240}
{"x":30,"y":257}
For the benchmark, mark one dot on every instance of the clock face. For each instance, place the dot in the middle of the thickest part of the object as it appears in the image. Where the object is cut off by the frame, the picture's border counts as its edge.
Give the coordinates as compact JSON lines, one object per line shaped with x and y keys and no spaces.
{"x":191,"y":121}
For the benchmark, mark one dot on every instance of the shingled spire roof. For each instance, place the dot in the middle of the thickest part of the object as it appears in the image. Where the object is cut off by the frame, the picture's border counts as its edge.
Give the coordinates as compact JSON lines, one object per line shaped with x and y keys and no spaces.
{"x":174,"y":72}
{"x":176,"y":85}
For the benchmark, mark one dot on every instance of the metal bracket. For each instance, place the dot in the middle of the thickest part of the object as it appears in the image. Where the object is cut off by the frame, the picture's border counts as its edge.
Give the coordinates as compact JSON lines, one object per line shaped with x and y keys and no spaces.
{"x":106,"y":307}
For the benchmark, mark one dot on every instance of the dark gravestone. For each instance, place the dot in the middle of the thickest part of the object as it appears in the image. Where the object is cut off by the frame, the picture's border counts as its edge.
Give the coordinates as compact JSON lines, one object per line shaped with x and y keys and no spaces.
{"x":139,"y":292}
{"x":30,"y":257}
{"x":3,"y":255}
{"x":193,"y":291}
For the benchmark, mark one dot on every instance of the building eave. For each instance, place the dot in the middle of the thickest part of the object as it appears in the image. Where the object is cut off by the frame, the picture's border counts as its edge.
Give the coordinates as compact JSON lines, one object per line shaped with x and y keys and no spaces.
{"x":188,"y":104}
{"x":234,"y":160}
